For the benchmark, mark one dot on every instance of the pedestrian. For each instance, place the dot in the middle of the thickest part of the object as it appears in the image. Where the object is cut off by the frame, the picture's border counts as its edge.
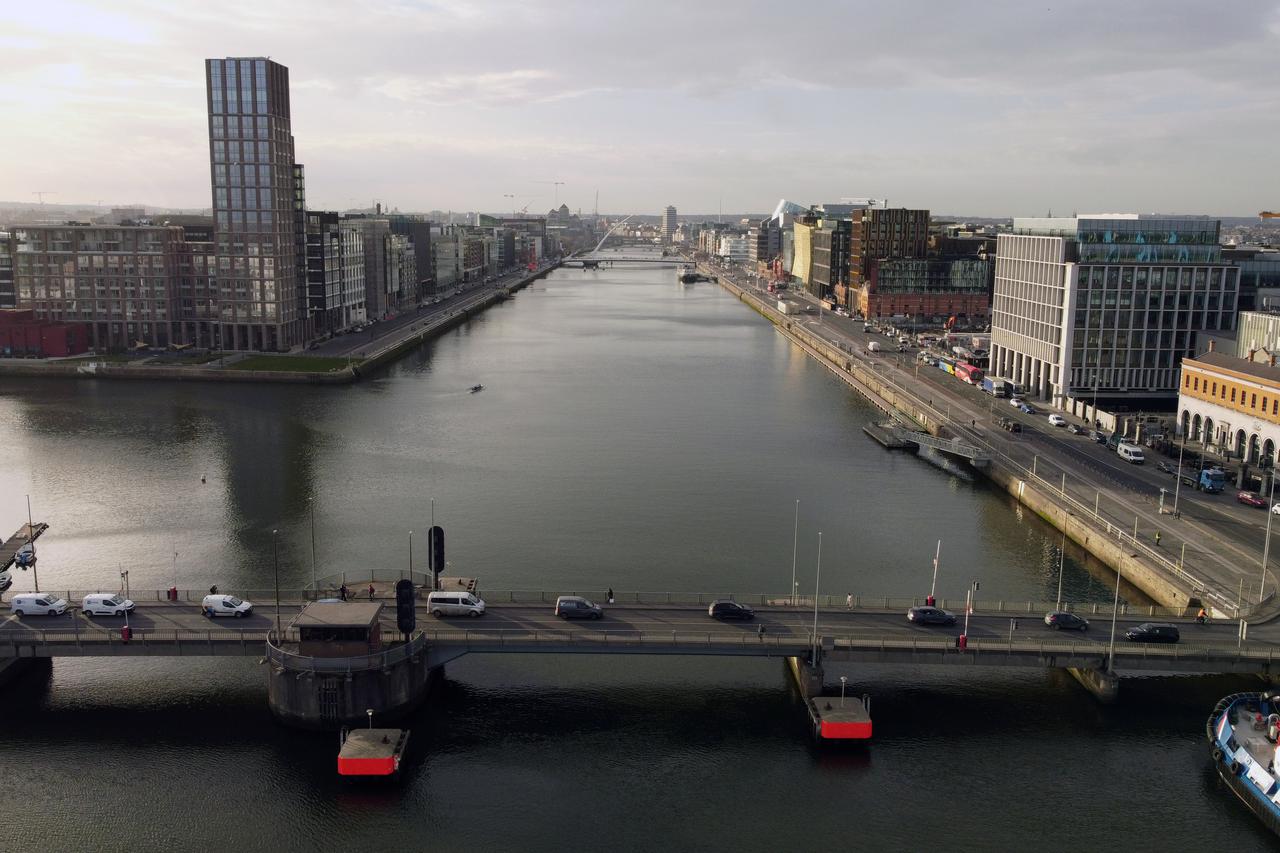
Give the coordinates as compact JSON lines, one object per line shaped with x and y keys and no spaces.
{"x":1157,"y":538}
{"x":610,"y":595}
{"x":213,"y":590}
{"x":342,"y":592}
{"x":371,"y":592}
{"x":848,"y":601}
{"x":760,"y":631}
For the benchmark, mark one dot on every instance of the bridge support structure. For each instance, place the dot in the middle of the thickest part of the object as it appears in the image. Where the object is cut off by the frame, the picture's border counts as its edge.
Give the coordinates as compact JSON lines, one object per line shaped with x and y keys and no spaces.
{"x":330,"y":692}
{"x":808,"y":678}
{"x":1105,"y":686}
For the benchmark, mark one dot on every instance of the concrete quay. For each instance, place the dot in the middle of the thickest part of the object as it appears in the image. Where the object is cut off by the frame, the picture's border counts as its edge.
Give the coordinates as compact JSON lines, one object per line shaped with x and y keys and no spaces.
{"x":1212,"y":577}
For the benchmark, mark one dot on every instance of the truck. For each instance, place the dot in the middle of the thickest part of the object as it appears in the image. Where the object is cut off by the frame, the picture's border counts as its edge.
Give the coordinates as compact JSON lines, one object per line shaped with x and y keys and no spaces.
{"x":786,"y":307}
{"x":996,"y":387}
{"x":873,"y":346}
{"x":1211,"y":480}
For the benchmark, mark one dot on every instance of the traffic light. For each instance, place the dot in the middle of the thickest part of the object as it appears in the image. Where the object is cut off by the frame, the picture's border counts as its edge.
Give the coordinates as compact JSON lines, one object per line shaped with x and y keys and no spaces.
{"x":406,"y":611}
{"x":435,"y":540}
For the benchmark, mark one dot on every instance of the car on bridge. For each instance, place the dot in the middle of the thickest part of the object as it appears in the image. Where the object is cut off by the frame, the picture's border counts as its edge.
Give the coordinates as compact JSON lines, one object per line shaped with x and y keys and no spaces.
{"x":726,"y":610}
{"x":931,"y":616}
{"x":1250,"y":499}
{"x":1060,"y":619}
{"x":1057,"y":420}
{"x":1153,"y":632}
{"x":225,"y":605}
{"x":37,"y":604}
{"x":577,"y":607}
{"x":100,"y":604}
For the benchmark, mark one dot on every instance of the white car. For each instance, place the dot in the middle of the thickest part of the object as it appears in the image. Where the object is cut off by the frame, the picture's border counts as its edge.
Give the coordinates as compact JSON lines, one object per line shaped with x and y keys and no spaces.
{"x":1016,"y":402}
{"x":225,"y":605}
{"x":1276,"y":509}
{"x":100,"y":604}
{"x":1057,"y":420}
{"x":37,"y":604}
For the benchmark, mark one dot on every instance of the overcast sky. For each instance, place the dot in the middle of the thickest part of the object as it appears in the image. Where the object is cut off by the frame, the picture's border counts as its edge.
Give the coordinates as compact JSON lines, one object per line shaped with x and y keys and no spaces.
{"x":985,"y":108}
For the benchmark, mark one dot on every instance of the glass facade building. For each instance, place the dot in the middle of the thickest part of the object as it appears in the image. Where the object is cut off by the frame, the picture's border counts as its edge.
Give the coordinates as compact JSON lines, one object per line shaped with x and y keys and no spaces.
{"x":256,"y":205}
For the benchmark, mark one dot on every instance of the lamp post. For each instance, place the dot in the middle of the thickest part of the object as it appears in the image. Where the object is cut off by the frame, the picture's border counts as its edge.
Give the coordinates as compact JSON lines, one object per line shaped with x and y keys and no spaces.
{"x":1177,"y":482}
{"x":1062,"y":557}
{"x":795,"y":545}
{"x":275,"y":552}
{"x":968,"y":608}
{"x":1266,"y":546}
{"x":312,"y":502}
{"x":843,"y":679}
{"x":124,"y":582}
{"x":35,"y":572}
{"x":933,"y":587}
{"x":1115,"y":610}
{"x":817,"y":582}
{"x":411,"y":554}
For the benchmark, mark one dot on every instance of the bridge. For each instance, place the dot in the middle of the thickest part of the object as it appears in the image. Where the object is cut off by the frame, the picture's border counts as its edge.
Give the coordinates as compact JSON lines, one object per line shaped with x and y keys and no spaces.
{"x":976,"y":456}
{"x":594,"y":261}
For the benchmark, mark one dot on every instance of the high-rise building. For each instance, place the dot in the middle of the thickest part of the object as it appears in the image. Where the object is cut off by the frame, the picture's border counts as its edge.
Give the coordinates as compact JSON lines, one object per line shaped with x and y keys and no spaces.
{"x":1106,"y":307}
{"x":880,"y":233}
{"x":257,"y":205}
{"x":668,"y":225}
{"x":8,"y":295}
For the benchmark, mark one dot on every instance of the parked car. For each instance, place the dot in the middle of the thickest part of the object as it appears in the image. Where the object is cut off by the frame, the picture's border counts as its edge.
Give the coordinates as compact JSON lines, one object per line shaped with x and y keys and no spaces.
{"x":1276,"y":509}
{"x":1061,"y":619}
{"x":1027,"y":409}
{"x":100,"y":604}
{"x":931,"y":616}
{"x":225,"y":605}
{"x":1250,"y":499}
{"x":726,"y":610}
{"x":1166,"y":468}
{"x":37,"y":604}
{"x":1153,"y":632}
{"x":1057,"y":420}
{"x":576,"y":607}
{"x":1098,"y":436}
{"x":1075,"y":429}
{"x":1017,"y":402}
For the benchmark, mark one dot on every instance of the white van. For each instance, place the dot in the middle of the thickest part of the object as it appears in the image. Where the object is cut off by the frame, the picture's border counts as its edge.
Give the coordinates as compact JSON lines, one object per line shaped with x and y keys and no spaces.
{"x":454,"y":604}
{"x":1131,"y":453}
{"x":37,"y":604}
{"x":225,"y":605}
{"x":105,"y":604}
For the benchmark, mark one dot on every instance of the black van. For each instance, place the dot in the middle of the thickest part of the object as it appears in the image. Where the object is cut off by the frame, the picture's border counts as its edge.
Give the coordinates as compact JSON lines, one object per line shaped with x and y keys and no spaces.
{"x":1153,"y":632}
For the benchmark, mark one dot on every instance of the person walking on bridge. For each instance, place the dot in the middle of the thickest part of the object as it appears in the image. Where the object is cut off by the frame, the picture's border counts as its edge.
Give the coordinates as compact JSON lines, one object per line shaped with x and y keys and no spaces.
{"x":848,"y":601}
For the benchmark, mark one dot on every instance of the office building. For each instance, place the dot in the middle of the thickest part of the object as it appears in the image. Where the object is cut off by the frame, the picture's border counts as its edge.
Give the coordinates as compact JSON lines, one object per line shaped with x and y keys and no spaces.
{"x":257,"y":205}
{"x":878,"y":233}
{"x":764,"y":242}
{"x":668,"y":225}
{"x":8,"y":295}
{"x":1106,"y":307}
{"x":829,"y":267}
{"x":927,"y":291}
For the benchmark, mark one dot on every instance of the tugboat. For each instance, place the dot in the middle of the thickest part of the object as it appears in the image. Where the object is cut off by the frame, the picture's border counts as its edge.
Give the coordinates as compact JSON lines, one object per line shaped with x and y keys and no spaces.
{"x":476,"y":388}
{"x":1242,"y":733}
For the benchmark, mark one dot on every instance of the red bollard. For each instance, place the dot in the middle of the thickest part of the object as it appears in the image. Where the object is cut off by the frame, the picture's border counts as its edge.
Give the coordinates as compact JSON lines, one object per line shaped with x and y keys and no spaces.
{"x":173,"y":593}
{"x":929,"y":601}
{"x":126,"y":633}
{"x":964,"y":642}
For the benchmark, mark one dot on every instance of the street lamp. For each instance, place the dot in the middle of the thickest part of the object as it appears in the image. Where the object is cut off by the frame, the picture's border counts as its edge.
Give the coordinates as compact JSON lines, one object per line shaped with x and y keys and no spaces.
{"x":312,"y":502}
{"x":795,"y":544}
{"x":843,"y":679}
{"x":817,"y":582}
{"x":275,"y":551}
{"x":1062,"y":557}
{"x":1266,"y":547}
{"x":124,"y":582}
{"x":968,"y":609}
{"x":933,"y":588}
{"x":1115,"y":610}
{"x":1177,"y":483}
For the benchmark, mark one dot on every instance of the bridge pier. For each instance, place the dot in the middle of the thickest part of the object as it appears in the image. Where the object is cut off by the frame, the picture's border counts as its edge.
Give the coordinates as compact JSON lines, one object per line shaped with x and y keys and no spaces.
{"x":808,"y":679}
{"x":1105,"y":686}
{"x":15,"y":668}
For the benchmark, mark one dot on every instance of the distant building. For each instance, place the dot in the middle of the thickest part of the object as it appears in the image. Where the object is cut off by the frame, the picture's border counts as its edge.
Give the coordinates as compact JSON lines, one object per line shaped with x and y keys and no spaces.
{"x":885,"y":233}
{"x":733,"y":247}
{"x":668,"y":225}
{"x":8,"y":294}
{"x":928,"y":291}
{"x":335,"y":273}
{"x":1107,"y":306}
{"x":257,"y":205}
{"x":829,"y":267}
{"x":764,"y":242}
{"x":1232,"y":405}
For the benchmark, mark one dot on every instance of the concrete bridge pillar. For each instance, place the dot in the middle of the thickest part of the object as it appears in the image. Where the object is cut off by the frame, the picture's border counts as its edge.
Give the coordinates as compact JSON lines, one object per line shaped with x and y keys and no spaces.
{"x":1105,"y":686}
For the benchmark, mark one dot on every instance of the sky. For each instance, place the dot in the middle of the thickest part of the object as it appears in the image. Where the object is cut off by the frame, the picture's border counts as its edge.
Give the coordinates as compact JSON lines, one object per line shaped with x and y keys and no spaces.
{"x":983,"y":108}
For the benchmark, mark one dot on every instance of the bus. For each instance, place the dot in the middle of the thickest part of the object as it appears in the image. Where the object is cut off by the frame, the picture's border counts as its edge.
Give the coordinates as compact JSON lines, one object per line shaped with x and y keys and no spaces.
{"x":966,"y":372}
{"x":947,"y":364}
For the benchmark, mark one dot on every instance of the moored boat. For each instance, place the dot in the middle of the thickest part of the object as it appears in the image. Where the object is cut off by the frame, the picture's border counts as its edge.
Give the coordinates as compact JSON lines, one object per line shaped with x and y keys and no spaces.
{"x":1242,"y":733}
{"x":372,"y":752}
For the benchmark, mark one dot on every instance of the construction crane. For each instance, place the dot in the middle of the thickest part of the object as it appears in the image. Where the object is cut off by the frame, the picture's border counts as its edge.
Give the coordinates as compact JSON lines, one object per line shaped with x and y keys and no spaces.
{"x":558,"y":185}
{"x":42,"y":193}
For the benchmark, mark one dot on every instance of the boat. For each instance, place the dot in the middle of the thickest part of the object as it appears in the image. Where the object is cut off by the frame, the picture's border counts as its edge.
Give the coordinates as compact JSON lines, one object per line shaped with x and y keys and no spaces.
{"x":1242,"y":733}
{"x":372,"y":752}
{"x":25,"y":556}
{"x":475,"y":388}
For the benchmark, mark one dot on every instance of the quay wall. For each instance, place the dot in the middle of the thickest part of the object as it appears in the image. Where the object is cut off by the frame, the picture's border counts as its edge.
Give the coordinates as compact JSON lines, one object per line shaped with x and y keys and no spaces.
{"x":1160,"y":585}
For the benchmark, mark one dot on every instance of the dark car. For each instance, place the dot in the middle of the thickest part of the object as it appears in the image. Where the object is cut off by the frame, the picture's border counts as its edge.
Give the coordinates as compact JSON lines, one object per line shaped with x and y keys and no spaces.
{"x":1098,"y":436}
{"x":726,"y":610}
{"x":1153,"y":632}
{"x":576,"y":607}
{"x":1167,"y":468}
{"x":1250,"y":499}
{"x":1059,"y":620}
{"x":1075,"y":429}
{"x":931,"y":616}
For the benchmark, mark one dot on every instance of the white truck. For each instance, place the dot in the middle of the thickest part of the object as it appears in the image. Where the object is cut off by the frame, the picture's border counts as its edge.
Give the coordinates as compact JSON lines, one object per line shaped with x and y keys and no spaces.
{"x":873,"y":346}
{"x":786,"y":307}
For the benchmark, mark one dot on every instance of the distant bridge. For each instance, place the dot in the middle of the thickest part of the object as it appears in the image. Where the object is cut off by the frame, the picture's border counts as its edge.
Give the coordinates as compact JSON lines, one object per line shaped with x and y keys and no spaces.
{"x":594,"y":261}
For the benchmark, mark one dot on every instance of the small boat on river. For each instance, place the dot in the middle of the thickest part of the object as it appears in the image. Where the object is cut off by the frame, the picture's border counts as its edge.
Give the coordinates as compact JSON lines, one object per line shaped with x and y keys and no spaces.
{"x":476,"y":389}
{"x":1242,"y":732}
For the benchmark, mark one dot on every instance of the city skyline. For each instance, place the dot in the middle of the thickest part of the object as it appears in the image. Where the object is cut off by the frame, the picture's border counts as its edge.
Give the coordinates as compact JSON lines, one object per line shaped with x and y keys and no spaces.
{"x":1017,"y":111}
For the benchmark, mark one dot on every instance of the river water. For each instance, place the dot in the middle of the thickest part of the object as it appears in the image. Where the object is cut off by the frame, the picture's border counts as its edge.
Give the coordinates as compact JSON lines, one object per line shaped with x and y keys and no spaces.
{"x":634,"y":434}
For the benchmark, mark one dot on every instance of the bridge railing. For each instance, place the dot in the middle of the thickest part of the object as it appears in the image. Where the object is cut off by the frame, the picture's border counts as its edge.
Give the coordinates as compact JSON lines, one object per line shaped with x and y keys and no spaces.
{"x":264,"y":599}
{"x":295,"y":662}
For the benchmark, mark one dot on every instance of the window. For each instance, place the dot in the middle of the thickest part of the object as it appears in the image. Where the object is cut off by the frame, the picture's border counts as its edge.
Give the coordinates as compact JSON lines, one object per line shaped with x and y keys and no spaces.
{"x":1233,"y":395}
{"x":1253,"y":401}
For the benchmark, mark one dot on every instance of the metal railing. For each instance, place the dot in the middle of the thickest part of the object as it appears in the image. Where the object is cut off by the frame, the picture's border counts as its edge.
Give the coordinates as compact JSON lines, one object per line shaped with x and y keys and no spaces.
{"x":385,"y":659}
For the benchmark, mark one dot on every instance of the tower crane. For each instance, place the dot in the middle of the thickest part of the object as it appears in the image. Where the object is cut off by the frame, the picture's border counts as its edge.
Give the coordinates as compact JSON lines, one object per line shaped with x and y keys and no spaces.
{"x":40,"y":194}
{"x":558,"y":185}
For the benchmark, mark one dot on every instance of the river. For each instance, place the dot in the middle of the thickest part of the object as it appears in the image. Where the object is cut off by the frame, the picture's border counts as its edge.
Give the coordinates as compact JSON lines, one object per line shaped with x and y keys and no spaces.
{"x":635,"y":434}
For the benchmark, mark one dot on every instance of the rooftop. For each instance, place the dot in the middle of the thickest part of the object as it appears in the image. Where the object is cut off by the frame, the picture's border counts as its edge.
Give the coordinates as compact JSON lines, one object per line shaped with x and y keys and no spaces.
{"x":1260,"y":370}
{"x":338,"y":614}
